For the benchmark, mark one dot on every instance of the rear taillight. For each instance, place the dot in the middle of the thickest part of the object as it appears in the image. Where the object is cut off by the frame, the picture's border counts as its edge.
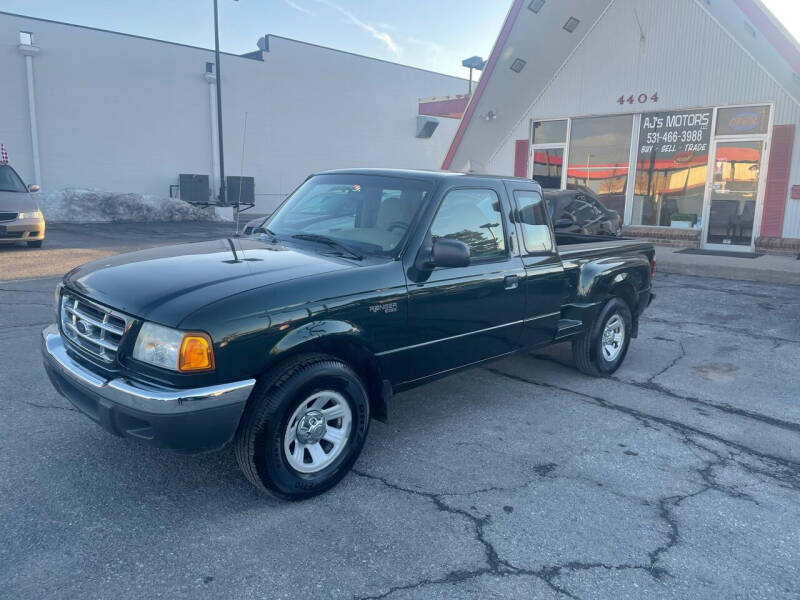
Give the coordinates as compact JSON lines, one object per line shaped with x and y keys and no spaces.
{"x":652,"y":267}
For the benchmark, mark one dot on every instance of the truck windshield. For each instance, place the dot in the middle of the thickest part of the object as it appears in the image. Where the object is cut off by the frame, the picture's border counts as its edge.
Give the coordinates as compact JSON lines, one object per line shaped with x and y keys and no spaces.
{"x":10,"y":181}
{"x":370,"y":214}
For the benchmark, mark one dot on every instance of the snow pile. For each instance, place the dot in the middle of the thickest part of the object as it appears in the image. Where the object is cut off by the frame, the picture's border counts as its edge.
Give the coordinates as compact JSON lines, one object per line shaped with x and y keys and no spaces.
{"x":96,"y":206}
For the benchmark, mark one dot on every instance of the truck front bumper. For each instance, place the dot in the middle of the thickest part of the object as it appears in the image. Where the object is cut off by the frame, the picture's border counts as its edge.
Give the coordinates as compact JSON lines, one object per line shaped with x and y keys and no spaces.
{"x":184,"y":420}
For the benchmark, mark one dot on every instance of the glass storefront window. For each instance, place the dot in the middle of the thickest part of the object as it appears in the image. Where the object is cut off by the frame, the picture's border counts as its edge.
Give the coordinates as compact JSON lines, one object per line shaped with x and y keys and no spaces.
{"x":549,"y":132}
{"x":599,"y":154}
{"x":671,"y":167}
{"x":547,"y":167}
{"x":734,"y":189}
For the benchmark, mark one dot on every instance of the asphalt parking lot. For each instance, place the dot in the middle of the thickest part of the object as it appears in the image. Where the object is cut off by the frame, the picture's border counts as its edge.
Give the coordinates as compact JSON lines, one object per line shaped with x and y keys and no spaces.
{"x":677,"y":478}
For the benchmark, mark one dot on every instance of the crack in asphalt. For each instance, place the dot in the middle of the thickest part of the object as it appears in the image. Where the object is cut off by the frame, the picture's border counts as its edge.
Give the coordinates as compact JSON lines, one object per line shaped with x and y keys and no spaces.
{"x":723,"y":290}
{"x":9,"y":327}
{"x":42,"y":406}
{"x":653,"y":386}
{"x":784,"y":471}
{"x":48,"y":292}
{"x":736,"y":330}
{"x":495,"y":565}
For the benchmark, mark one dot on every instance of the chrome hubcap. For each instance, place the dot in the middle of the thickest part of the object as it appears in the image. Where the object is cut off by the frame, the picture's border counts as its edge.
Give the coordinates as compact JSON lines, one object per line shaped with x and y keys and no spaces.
{"x":613,"y":338}
{"x":317,"y":431}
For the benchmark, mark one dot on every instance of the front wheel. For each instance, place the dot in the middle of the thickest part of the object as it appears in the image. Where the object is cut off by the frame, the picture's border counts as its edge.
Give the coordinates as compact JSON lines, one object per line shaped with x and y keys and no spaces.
{"x":600,"y":351}
{"x":303,"y":428}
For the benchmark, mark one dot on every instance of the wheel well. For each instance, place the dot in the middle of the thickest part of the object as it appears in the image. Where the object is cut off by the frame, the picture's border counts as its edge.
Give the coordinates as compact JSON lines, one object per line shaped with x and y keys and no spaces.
{"x":358,"y":358}
{"x":625,"y":292}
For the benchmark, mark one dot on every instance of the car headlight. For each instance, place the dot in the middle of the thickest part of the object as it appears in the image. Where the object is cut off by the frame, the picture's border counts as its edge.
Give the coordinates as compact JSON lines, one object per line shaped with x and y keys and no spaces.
{"x":182,"y":351}
{"x":36,"y":214}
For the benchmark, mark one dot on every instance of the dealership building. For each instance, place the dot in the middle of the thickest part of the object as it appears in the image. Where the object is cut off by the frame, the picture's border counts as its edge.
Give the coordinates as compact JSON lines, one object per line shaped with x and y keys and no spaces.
{"x":682,"y":115}
{"x":88,"y":108}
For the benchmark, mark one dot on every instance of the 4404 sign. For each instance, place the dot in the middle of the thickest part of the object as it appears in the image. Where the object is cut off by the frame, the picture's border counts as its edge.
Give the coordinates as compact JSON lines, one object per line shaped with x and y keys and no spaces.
{"x":642,"y":98}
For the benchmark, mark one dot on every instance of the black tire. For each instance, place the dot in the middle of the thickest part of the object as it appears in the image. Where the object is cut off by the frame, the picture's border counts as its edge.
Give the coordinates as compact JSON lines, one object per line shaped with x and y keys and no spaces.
{"x":587,"y":349}
{"x":259,"y":444}
{"x":35,"y":244}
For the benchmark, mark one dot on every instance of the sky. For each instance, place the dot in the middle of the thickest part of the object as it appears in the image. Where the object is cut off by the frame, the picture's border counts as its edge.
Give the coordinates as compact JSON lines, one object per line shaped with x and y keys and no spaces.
{"x":430,"y":34}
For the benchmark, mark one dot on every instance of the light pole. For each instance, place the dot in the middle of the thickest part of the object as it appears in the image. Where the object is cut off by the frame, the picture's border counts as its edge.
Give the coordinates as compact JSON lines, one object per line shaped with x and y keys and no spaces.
{"x":474,"y":62}
{"x":222,"y":200}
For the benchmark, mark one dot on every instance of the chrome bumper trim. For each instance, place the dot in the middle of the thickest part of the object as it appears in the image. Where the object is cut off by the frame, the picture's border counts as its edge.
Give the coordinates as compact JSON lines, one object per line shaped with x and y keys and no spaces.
{"x":137,"y":395}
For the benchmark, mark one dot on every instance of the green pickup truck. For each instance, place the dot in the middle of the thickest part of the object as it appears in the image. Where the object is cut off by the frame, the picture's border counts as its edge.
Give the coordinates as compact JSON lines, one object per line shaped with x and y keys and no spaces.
{"x":364,"y":283}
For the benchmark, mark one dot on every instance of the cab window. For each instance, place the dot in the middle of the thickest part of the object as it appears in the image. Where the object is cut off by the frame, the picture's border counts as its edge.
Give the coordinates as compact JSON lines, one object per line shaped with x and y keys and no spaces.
{"x":532,"y":218}
{"x":472,"y":216}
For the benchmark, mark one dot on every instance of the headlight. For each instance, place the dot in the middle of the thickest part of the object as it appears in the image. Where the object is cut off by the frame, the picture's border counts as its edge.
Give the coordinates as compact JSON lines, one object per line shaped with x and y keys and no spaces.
{"x":182,"y":351}
{"x":36,"y":214}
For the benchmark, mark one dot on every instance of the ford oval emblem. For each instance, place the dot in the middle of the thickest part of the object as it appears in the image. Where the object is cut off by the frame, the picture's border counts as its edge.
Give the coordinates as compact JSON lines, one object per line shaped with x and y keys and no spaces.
{"x":82,"y":327}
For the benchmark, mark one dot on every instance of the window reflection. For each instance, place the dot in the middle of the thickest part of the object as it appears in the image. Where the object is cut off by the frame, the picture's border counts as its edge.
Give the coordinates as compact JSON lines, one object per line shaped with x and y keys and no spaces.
{"x":733,"y":193}
{"x":547,"y":166}
{"x":599,"y":155}
{"x":550,"y":132}
{"x":472,"y":216}
{"x":532,"y":218}
{"x":671,"y":168}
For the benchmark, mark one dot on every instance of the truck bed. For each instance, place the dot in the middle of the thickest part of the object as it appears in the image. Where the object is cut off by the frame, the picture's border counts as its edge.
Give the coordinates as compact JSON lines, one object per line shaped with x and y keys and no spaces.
{"x":575,"y":245}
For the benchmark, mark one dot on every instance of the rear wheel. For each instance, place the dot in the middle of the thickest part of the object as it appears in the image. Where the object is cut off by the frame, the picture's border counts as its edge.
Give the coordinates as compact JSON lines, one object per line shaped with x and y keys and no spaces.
{"x":304,"y":427}
{"x":600,"y":351}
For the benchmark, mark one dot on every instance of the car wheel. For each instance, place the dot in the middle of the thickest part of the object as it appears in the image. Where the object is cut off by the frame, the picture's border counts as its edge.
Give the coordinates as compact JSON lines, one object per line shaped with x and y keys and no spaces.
{"x":35,"y":244}
{"x":303,"y":428}
{"x":600,"y":351}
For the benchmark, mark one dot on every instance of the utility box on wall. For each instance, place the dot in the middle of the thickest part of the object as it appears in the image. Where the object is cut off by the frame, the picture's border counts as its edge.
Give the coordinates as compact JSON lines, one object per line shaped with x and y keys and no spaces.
{"x":194,"y":188}
{"x":241,"y":190}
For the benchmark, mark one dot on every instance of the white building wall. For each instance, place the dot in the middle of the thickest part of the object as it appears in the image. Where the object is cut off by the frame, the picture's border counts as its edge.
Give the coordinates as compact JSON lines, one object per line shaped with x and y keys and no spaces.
{"x":685,"y":56}
{"x":128,"y":114}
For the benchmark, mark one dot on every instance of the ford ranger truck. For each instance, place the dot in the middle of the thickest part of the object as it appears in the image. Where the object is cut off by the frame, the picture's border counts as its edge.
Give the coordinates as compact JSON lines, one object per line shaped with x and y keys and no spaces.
{"x":364,"y":283}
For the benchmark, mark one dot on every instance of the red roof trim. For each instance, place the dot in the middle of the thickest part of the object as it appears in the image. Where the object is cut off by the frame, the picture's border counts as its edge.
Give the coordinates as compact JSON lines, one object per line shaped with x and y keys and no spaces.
{"x":511,"y":19}
{"x":779,"y":40}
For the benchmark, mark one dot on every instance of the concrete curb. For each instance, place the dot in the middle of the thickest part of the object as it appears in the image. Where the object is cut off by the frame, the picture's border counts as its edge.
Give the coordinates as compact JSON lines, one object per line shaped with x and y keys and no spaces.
{"x":766,"y":268}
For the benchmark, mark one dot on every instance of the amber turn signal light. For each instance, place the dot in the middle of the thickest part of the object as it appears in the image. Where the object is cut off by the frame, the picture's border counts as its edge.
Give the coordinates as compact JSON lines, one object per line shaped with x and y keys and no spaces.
{"x":196,"y":354}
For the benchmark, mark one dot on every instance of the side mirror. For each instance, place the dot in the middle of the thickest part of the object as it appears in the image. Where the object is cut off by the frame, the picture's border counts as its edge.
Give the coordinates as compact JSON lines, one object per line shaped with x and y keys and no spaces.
{"x":33,"y":187}
{"x":450,"y":253}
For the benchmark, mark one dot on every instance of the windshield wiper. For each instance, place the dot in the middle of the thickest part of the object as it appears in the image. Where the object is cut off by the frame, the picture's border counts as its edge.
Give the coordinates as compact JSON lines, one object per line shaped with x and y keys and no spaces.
{"x":324,"y":239}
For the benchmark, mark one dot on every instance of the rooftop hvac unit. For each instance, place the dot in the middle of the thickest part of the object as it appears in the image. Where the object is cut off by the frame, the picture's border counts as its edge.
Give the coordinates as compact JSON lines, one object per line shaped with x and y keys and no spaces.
{"x":241,"y":191}
{"x":194,"y":189}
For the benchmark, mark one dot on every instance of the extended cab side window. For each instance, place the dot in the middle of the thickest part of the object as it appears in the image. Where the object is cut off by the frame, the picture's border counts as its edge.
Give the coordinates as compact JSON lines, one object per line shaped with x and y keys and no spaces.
{"x":472,"y":216}
{"x":532,"y":217}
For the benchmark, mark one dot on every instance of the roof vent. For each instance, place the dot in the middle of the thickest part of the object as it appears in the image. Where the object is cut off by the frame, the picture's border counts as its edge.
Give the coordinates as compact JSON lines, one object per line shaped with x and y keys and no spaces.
{"x":536,"y":5}
{"x":571,"y":24}
{"x":518,"y":65}
{"x":749,"y":29}
{"x":426,"y":126}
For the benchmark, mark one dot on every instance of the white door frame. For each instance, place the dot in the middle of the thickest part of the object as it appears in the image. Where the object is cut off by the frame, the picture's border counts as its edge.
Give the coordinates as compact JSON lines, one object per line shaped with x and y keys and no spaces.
{"x":712,"y":164}
{"x":762,"y":180}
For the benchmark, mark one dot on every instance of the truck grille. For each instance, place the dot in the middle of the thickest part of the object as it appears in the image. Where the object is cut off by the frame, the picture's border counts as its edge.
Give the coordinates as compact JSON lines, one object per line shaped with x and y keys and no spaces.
{"x":93,"y":328}
{"x":8,"y":216}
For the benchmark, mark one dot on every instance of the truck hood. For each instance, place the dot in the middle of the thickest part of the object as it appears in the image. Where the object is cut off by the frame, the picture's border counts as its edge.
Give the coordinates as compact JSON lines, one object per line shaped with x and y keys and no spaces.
{"x":167,"y":284}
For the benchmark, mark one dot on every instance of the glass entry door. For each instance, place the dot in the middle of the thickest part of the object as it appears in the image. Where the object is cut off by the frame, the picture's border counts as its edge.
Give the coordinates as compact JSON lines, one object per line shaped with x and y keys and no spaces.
{"x":733,"y":193}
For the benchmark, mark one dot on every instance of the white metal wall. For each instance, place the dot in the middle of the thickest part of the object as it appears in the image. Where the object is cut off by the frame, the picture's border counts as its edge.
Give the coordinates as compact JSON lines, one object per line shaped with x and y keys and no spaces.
{"x":685,"y":56}
{"x":128,"y":114}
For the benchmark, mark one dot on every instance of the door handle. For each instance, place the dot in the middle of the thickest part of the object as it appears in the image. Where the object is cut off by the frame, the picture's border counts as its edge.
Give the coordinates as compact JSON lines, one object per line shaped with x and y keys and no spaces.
{"x":511,"y":282}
